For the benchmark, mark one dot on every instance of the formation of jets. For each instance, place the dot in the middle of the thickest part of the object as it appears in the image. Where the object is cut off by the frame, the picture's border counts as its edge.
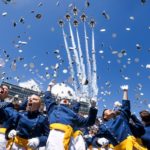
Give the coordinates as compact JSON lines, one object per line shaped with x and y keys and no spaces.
{"x":83,"y":18}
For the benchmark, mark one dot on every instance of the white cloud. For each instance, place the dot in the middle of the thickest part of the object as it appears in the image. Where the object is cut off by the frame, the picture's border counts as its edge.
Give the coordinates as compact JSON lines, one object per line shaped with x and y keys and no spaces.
{"x":30,"y":84}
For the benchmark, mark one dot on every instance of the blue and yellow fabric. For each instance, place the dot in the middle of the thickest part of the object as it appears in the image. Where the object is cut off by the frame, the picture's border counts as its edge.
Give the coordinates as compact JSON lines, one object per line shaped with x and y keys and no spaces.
{"x":64,"y":115}
{"x":18,"y":140}
{"x":117,"y":130}
{"x":6,"y":117}
{"x":28,"y":125}
{"x":130,"y":143}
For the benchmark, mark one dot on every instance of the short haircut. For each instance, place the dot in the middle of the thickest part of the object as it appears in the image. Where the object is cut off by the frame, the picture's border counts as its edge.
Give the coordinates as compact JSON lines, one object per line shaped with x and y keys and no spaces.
{"x":103,"y":114}
{"x":145,"y":115}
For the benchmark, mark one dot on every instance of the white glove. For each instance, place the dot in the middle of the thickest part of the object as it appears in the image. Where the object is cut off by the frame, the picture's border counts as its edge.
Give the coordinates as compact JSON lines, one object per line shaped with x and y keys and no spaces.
{"x":117,"y":104}
{"x":33,"y":143}
{"x":88,"y":136}
{"x":50,"y":85}
{"x":12,"y":134}
{"x":93,"y":104}
{"x":124,"y":87}
{"x":102,"y":141}
{"x":100,"y":120}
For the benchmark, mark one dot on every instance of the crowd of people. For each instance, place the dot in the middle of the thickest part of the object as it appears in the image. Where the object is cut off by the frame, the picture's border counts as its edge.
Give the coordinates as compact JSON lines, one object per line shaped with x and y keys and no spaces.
{"x":63,"y":127}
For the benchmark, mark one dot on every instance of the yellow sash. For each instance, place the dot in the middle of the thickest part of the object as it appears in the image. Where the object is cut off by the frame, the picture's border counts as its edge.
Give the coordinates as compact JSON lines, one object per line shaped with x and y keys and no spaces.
{"x":18,"y":140}
{"x":129,"y":144}
{"x":111,"y":146}
{"x":67,"y":130}
{"x":77,"y":133}
{"x":2,"y":130}
{"x":91,"y":147}
{"x":139,"y":141}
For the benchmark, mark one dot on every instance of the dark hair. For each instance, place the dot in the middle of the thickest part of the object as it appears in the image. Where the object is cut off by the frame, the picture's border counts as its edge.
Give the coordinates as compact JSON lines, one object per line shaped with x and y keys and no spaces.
{"x":103,"y":114}
{"x":2,"y":90}
{"x":145,"y":115}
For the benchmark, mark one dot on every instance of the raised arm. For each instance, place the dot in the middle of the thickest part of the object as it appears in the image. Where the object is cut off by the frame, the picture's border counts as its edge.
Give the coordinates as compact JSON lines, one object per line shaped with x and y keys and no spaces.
{"x":125,"y":102}
{"x":49,"y":99}
{"x":76,"y":106}
{"x":23,"y":105}
{"x":90,"y":120}
{"x":125,"y":92}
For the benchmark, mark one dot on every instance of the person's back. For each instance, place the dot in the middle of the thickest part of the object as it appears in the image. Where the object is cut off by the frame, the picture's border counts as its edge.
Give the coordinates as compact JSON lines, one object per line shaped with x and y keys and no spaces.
{"x":145,"y":116}
{"x":146,"y":137}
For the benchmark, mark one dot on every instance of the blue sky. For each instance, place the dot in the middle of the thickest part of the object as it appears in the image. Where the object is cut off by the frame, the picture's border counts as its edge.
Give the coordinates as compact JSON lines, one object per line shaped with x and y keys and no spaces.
{"x":127,"y":29}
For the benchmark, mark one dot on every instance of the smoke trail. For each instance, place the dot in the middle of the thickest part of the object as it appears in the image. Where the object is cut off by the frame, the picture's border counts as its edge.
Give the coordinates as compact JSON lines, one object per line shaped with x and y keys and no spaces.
{"x":83,"y":73}
{"x":94,"y":72}
{"x":75,"y":53}
{"x":88,"y":59}
{"x":81,"y":55}
{"x":70,"y":61}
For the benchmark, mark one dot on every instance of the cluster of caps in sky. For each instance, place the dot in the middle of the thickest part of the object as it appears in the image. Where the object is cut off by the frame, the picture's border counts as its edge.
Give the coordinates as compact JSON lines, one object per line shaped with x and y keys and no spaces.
{"x":19,"y":45}
{"x":119,"y":55}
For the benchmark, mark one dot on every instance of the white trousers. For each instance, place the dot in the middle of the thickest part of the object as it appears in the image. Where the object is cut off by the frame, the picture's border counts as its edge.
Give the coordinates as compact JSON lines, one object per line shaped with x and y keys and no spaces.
{"x":55,"y":141}
{"x":79,"y":143}
{"x":18,"y":147}
{"x":42,"y":148}
{"x":3,"y":142}
{"x":101,"y":149}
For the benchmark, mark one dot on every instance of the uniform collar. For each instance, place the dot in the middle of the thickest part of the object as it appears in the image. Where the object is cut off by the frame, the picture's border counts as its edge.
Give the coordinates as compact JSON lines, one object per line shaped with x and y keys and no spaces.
{"x":33,"y":114}
{"x":1,"y":100}
{"x":64,"y":105}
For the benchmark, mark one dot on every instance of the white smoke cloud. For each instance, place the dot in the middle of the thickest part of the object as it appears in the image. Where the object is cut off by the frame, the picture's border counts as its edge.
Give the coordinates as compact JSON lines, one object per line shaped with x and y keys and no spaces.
{"x":30,"y":84}
{"x":61,"y":90}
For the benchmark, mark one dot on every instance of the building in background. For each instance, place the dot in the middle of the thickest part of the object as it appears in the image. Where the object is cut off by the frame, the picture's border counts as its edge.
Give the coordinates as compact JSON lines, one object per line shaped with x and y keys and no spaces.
{"x":22,"y":93}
